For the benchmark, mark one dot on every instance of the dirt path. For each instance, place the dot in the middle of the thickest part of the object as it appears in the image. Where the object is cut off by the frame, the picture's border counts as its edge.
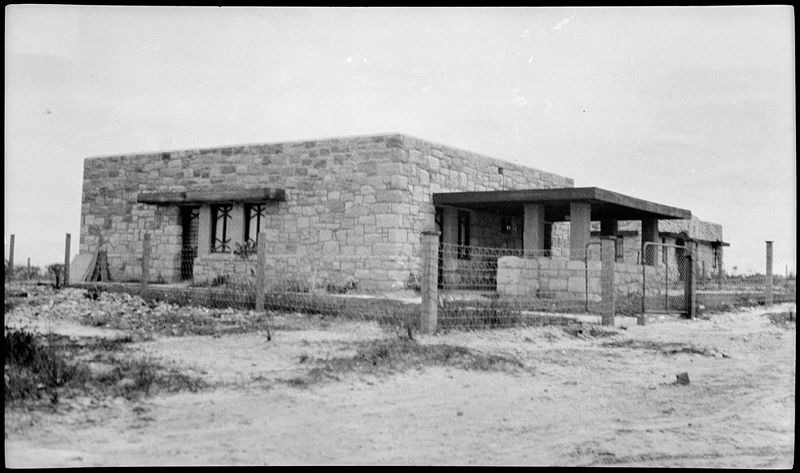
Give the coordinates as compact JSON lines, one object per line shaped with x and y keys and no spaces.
{"x":589,"y":400}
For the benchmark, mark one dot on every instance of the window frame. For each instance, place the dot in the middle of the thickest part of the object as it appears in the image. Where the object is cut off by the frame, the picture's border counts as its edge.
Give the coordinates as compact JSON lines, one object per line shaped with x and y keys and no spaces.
{"x":257,"y":210}
{"x":221,"y":212}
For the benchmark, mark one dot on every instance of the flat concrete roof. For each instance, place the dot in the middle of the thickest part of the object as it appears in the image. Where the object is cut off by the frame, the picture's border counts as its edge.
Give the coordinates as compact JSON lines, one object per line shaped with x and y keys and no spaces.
{"x":604,"y":203}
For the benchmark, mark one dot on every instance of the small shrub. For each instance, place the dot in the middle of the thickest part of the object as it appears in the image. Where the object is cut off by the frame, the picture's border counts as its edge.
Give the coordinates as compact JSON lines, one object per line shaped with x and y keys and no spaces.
{"x":246,"y":249}
{"x":57,"y":270}
{"x":413,"y":282}
{"x":34,"y":367}
{"x":341,"y":285}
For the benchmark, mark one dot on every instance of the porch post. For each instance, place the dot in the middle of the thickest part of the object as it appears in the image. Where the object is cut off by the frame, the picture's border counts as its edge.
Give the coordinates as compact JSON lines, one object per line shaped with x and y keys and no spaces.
{"x":580,"y":229}
{"x":204,"y":231}
{"x":608,"y":293}
{"x":533,"y":236}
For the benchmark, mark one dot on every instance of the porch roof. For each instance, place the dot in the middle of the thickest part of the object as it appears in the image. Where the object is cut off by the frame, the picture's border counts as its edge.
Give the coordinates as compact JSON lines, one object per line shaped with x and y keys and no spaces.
{"x":212,"y":196}
{"x":604,"y":203}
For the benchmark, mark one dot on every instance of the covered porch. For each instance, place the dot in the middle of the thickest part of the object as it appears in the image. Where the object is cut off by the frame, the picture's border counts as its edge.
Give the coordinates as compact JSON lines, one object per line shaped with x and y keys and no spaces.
{"x":553,"y":223}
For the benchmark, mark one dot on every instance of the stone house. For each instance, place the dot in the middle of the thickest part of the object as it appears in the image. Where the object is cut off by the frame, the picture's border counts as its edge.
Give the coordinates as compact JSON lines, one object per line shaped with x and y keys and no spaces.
{"x":346,"y":209}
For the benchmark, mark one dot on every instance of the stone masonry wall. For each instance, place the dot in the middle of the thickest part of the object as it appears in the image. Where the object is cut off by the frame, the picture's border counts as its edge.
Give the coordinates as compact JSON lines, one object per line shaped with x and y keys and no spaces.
{"x":565,"y":279}
{"x":355,"y":207}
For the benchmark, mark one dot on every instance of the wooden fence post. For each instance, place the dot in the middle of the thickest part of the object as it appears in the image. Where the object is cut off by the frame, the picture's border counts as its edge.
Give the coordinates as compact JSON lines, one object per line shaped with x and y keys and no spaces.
{"x":66,"y":260}
{"x":262,"y":263}
{"x":768,"y":282}
{"x":145,"y":264}
{"x":607,"y":290}
{"x":429,"y":284}
{"x":10,"y":275}
{"x":690,"y":279}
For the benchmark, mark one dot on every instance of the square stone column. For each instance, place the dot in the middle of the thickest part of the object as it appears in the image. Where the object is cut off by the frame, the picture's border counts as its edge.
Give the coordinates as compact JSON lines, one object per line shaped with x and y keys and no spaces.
{"x":649,"y":234}
{"x":450,"y":250}
{"x":450,"y":225}
{"x":534,"y":228}
{"x":580,"y":229}
{"x":204,"y":231}
{"x":236,"y":225}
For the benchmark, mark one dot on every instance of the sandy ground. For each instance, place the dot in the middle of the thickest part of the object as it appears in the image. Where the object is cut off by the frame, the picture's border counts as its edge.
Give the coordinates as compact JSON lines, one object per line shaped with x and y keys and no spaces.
{"x":579,"y":403}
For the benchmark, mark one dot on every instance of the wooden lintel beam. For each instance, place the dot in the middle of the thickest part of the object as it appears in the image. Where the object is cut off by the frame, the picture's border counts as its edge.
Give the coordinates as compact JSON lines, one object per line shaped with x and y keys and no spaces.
{"x":212,"y":196}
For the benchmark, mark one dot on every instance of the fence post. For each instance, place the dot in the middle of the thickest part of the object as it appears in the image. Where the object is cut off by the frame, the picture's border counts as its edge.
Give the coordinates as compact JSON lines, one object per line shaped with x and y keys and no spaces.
{"x":66,"y":260}
{"x":262,"y":262}
{"x":769,"y":273}
{"x":145,"y":264}
{"x":10,"y":275}
{"x":429,"y":284}
{"x":690,"y":281}
{"x":607,"y":256}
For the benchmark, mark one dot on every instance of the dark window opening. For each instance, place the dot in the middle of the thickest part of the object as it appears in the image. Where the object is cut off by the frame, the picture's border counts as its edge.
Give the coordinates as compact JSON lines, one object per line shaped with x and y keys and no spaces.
{"x":220,"y":220}
{"x":505,"y":224}
{"x":548,"y":238}
{"x":463,"y":234}
{"x":438,"y":219}
{"x":619,"y":249}
{"x":253,"y":216}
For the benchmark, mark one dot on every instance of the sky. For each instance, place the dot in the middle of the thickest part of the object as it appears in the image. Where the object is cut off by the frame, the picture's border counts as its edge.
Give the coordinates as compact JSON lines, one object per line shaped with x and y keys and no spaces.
{"x":692,"y":107}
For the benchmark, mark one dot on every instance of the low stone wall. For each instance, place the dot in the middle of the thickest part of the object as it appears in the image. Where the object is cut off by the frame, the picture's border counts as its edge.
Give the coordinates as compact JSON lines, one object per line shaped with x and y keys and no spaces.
{"x":565,"y":279}
{"x":548,"y":278}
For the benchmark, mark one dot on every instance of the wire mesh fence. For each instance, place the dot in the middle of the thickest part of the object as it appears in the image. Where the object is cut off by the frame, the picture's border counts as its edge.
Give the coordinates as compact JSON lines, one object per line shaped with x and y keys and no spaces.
{"x":475,"y":286}
{"x":497,"y":287}
{"x":725,"y":291}
{"x":308,"y":284}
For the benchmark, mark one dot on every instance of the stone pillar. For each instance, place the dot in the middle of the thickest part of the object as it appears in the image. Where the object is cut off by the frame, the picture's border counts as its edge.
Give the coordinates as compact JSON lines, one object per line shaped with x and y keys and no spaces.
{"x":769,"y":274}
{"x":236,"y":225}
{"x":429,"y":246}
{"x":204,"y":231}
{"x":649,"y":234}
{"x":580,"y":229}
{"x":533,"y":235}
{"x":608,"y":294}
{"x":449,"y":225}
{"x":450,"y":249}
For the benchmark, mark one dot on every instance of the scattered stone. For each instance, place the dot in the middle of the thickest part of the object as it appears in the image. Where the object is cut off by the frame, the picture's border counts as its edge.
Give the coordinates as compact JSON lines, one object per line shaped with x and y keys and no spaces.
{"x":682,"y":378}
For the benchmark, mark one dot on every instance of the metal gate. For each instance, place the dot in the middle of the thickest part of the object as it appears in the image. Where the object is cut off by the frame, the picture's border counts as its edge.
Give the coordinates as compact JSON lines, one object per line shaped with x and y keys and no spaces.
{"x":665,"y":277}
{"x":190,"y":221}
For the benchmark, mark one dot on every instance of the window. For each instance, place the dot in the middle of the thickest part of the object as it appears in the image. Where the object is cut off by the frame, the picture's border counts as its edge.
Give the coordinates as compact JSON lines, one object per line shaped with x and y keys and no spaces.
{"x":619,"y":249}
{"x":463,"y":234}
{"x":253,"y":216}
{"x":220,"y":220}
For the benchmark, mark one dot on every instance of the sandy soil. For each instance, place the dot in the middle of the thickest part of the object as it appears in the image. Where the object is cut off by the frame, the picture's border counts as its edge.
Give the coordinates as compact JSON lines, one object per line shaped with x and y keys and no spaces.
{"x":580,"y":403}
